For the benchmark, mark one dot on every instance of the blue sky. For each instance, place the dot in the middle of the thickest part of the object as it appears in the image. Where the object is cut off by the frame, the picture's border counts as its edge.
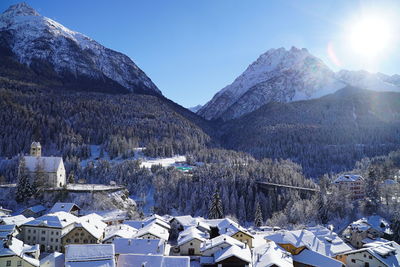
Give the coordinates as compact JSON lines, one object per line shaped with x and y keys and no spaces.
{"x":192,"y":49}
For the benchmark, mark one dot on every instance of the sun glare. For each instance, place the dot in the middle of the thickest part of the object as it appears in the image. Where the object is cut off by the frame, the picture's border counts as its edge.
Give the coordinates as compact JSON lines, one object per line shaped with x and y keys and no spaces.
{"x":370,"y":36}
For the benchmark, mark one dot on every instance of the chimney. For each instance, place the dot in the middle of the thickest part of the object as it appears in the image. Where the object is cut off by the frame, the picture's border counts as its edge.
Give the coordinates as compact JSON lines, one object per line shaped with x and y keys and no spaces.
{"x":129,"y":242}
{"x":142,"y":225}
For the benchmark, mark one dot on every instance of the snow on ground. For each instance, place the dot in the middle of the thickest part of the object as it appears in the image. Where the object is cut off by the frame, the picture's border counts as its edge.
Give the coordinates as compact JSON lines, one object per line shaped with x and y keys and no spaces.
{"x":165,"y":162}
{"x":146,"y":162}
{"x":92,"y":187}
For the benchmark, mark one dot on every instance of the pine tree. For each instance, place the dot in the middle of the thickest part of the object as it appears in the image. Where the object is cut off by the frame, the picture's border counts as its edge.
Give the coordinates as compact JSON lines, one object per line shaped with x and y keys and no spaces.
{"x":24,"y":188}
{"x":395,"y":225}
{"x":71,"y":178}
{"x":40,"y":178}
{"x":215,"y":210}
{"x":258,"y":220}
{"x":372,"y":191}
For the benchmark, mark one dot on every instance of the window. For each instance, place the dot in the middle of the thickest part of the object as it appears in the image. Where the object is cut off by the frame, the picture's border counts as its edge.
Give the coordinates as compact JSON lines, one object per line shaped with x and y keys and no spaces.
{"x":29,"y":238}
{"x":43,"y":232}
{"x":51,"y":239}
{"x":51,"y":247}
{"x":68,"y":240}
{"x":76,"y":240}
{"x":43,"y":239}
{"x":76,"y":234}
{"x":85,"y":241}
{"x":8,"y":263}
{"x":56,"y":239}
{"x":353,"y":260}
{"x":29,"y":230}
{"x":34,"y":231}
{"x":55,"y":248}
{"x":366,"y":264}
{"x":19,"y":263}
{"x":82,"y":234}
{"x":370,"y":257}
{"x":52,"y":233}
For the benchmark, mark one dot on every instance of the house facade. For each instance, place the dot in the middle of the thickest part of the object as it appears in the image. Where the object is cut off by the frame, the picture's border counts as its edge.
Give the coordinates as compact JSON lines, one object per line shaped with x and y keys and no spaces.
{"x":48,"y":230}
{"x":354,"y":184}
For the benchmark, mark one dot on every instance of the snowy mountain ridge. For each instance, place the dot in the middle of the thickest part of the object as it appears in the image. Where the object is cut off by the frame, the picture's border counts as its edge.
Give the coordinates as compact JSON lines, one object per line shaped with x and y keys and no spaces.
{"x":35,"y":37}
{"x":281,"y":75}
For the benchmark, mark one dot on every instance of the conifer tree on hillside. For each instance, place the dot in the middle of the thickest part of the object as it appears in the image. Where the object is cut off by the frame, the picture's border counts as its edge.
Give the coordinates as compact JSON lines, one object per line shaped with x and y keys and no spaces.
{"x":258,"y":220}
{"x":215,"y":210}
{"x":24,"y":188}
{"x":395,"y":226}
{"x":40,"y":178}
{"x":372,"y":190}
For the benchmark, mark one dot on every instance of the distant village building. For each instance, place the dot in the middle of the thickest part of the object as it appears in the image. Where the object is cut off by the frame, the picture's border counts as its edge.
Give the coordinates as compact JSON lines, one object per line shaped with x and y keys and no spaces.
{"x":4,"y":212}
{"x":66,"y":207}
{"x":14,"y":252}
{"x":88,"y":229}
{"x":35,"y":211}
{"x":48,"y":230}
{"x":373,"y":254}
{"x":354,"y":184}
{"x":367,"y":230}
{"x":52,"y":168}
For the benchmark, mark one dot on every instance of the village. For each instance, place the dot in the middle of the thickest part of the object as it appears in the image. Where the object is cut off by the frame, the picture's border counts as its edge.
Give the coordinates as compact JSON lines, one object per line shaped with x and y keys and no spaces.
{"x":67,"y":235}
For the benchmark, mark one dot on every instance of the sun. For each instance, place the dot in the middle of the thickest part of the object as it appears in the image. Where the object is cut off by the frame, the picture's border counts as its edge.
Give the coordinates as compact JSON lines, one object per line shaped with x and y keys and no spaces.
{"x":370,"y":36}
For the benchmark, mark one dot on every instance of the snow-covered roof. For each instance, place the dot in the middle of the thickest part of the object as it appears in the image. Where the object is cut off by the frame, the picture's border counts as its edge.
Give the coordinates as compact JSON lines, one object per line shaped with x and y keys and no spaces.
{"x":59,"y":219}
{"x":114,"y":215}
{"x":93,"y":224}
{"x":139,"y":246}
{"x":89,"y":252}
{"x":55,"y":259}
{"x":18,"y":220}
{"x":242,"y":253}
{"x":312,"y":258}
{"x":9,"y":228}
{"x":386,"y":252}
{"x":389,"y":182}
{"x":67,"y":207}
{"x":49,"y":164}
{"x":153,"y":260}
{"x":348,"y":178}
{"x":190,"y":235}
{"x":375,"y":221}
{"x":35,"y":209}
{"x":188,"y":221}
{"x":318,"y":239}
{"x":270,"y":254}
{"x":221,"y":239}
{"x":15,"y":247}
{"x":229,"y":227}
{"x":155,"y":230}
{"x":5,"y":210}
{"x":119,"y":230}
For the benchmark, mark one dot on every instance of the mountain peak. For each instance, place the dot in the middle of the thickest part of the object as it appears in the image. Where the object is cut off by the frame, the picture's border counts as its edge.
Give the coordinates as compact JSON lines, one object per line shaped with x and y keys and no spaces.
{"x":20,"y":9}
{"x":278,"y":75}
{"x":34,"y":38}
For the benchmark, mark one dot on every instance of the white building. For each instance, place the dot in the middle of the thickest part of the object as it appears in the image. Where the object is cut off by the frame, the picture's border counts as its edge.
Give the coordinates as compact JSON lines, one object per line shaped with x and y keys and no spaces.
{"x":354,"y":184}
{"x":52,"y":168}
{"x":48,"y":230}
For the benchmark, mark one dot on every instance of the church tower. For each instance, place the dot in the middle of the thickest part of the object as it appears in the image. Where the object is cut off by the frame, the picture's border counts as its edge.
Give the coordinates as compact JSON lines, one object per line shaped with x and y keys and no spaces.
{"x":36,"y":149}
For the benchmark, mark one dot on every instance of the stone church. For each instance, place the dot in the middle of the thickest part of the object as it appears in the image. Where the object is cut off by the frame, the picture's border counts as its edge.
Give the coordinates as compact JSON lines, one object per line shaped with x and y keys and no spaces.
{"x":52,"y":167}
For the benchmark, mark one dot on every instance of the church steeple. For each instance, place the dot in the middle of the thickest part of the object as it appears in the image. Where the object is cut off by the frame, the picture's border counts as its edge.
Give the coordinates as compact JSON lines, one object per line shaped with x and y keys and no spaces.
{"x":36,"y":149}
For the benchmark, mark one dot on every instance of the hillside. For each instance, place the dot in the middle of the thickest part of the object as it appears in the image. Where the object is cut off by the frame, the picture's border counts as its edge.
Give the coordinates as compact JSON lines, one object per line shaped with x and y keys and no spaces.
{"x":328,"y":134}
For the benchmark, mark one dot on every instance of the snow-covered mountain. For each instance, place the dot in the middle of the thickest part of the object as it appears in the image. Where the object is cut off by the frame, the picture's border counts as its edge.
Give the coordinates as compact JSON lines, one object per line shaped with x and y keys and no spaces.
{"x":36,"y":41}
{"x":195,"y":108}
{"x":278,"y":75}
{"x":370,"y":81}
{"x":281,"y":75}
